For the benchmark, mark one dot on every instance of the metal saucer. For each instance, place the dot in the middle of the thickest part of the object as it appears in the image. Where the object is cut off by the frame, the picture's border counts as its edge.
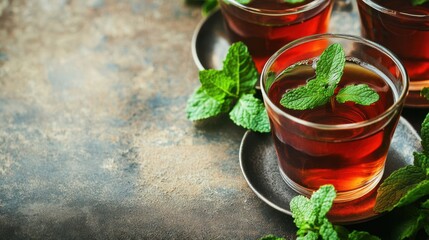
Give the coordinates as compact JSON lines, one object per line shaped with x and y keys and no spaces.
{"x":258,"y":163}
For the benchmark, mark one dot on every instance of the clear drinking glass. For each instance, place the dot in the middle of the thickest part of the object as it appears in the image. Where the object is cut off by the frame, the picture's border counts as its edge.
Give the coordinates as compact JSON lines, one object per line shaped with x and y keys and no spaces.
{"x":343,"y":144}
{"x":266,"y":25}
{"x":403,"y":29}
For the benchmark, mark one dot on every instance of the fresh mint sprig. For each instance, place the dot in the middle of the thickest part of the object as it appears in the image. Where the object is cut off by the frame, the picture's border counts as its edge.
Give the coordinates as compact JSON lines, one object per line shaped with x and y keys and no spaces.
{"x":320,"y":90}
{"x":230,"y":90}
{"x":310,"y":218}
{"x":405,"y":193}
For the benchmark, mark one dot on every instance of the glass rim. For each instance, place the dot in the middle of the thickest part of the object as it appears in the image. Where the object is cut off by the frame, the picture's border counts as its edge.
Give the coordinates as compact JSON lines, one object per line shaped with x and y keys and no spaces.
{"x":396,"y":13}
{"x":400,"y":99}
{"x":303,"y":8}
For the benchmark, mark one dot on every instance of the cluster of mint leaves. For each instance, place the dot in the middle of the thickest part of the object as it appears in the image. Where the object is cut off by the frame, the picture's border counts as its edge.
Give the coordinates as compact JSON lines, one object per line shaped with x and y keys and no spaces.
{"x":310,"y":217}
{"x":406,"y":191}
{"x":230,"y":90}
{"x":320,"y":90}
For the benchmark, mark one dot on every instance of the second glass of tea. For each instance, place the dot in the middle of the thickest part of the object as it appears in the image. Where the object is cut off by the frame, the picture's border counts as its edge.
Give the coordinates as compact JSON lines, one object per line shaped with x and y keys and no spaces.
{"x":266,"y":25}
{"x":343,"y":144}
{"x":403,"y":27}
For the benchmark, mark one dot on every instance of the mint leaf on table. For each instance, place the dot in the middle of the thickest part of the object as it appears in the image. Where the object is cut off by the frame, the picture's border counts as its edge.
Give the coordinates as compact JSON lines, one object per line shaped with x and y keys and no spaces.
{"x":361,"y":235}
{"x":405,"y":193}
{"x":250,"y":113}
{"x":361,"y":94}
{"x":401,"y":187}
{"x":319,"y":91}
{"x":310,"y":217}
{"x":271,"y":237}
{"x":230,"y":90}
{"x":202,"y":106}
{"x":240,"y":68}
{"x":310,"y":214}
{"x":217,"y":84}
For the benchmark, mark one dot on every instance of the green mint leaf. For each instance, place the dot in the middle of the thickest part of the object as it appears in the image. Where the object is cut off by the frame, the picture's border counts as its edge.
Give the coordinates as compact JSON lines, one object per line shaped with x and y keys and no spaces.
{"x":424,"y":132}
{"x":327,"y":230}
{"x":361,"y":235}
{"x":209,"y":6}
{"x":239,"y":66}
{"x":201,"y":106}
{"x":305,"y":97}
{"x":360,"y":94}
{"x":302,"y":212}
{"x":310,"y":214}
{"x":310,"y":235}
{"x":249,"y":112}
{"x":425,"y":92}
{"x":421,"y":160}
{"x":271,"y":237}
{"x":317,"y":92}
{"x":330,"y":66}
{"x":322,"y":200}
{"x":397,"y":189}
{"x":425,"y":204}
{"x":217,"y":84}
{"x":418,"y":2}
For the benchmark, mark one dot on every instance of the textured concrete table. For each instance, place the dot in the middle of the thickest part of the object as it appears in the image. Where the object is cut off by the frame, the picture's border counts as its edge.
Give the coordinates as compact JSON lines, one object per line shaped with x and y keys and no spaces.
{"x":94,"y":142}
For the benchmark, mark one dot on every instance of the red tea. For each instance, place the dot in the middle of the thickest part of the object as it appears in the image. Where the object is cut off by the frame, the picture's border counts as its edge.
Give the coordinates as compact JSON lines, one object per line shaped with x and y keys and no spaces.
{"x":350,"y":158}
{"x":406,"y":36}
{"x":267,"y":31}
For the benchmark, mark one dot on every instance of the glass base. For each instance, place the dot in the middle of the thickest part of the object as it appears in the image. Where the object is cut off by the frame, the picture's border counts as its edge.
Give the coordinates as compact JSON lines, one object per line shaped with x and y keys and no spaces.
{"x":341,"y":196}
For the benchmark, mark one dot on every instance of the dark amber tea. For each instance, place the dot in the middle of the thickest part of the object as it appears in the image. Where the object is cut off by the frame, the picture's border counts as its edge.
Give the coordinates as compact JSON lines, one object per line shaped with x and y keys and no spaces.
{"x":266,"y":25}
{"x":404,"y":29}
{"x":331,"y":141}
{"x":349,"y":158}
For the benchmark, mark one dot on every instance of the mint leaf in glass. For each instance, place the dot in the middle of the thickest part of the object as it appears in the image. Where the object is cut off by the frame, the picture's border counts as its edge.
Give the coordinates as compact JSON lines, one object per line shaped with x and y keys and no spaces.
{"x":319,"y":91}
{"x":305,"y":97}
{"x":330,"y":66}
{"x":360,"y":94}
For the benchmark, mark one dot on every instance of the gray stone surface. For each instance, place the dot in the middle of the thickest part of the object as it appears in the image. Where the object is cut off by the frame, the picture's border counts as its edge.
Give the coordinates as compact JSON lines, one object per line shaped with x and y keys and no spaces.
{"x":94,"y":141}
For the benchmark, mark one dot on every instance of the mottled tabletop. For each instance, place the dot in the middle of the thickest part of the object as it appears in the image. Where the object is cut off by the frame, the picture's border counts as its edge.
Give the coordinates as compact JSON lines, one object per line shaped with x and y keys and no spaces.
{"x":94,"y":140}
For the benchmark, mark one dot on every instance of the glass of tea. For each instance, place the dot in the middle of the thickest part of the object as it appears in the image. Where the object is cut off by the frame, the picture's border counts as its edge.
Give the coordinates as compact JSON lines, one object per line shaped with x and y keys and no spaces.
{"x":343,"y":144}
{"x":404,"y":29}
{"x":266,"y":25}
